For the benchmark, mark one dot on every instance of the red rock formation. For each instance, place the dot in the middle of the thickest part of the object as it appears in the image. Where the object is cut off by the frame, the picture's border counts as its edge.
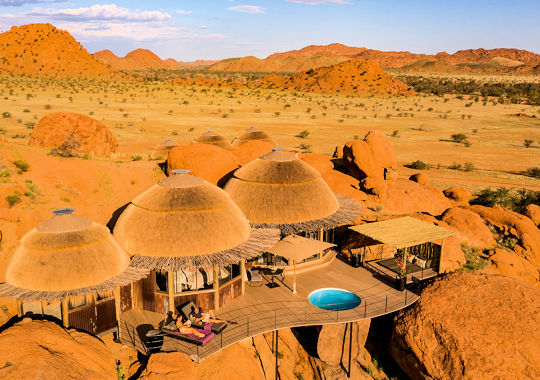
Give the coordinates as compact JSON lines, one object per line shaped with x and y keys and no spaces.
{"x":533,"y":212}
{"x":320,"y":162}
{"x":452,"y":257}
{"x":458,"y":195}
{"x":470,"y":326}
{"x":470,"y":227}
{"x":407,"y":197}
{"x":209,"y":162}
{"x":335,"y":49}
{"x":41,"y":49}
{"x":89,"y":135}
{"x":509,"y":264}
{"x":139,"y":59}
{"x":420,"y":178}
{"x":44,"y":350}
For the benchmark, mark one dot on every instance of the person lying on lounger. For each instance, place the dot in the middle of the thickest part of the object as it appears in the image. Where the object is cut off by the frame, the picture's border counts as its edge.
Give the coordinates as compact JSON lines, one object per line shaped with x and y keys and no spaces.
{"x":184,"y":327}
{"x":201,"y":317}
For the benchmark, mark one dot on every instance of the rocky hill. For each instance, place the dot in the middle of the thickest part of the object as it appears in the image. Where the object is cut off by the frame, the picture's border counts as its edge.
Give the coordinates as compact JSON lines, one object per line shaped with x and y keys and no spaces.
{"x":315,"y":56}
{"x":42,"y":49}
{"x":139,"y":59}
{"x":351,"y":77}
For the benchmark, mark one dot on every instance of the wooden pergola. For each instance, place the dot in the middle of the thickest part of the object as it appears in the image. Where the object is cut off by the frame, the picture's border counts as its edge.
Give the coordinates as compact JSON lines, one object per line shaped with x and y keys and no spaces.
{"x":403,"y":232}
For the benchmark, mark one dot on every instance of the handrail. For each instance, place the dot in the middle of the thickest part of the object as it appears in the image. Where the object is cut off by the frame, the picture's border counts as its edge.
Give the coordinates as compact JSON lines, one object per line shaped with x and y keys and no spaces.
{"x":285,"y":314}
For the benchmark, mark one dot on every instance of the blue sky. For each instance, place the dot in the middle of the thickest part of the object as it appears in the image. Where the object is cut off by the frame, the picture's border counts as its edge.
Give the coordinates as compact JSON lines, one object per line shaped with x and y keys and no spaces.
{"x":216,"y":29}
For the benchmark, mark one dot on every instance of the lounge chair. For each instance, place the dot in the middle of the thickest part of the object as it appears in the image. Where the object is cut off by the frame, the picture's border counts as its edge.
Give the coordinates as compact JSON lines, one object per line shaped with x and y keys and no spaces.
{"x":254,"y":277}
{"x":186,"y":310}
{"x":171,"y":331}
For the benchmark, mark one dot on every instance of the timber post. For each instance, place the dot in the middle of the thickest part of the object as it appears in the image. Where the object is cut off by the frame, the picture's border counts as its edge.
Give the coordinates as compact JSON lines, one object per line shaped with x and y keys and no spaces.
{"x":216,"y":287}
{"x":170,"y":288}
{"x":65,"y":313}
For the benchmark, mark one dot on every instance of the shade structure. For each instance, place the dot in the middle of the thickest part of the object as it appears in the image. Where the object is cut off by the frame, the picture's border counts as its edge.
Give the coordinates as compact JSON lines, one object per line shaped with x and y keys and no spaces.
{"x":212,"y":138}
{"x":278,"y":190}
{"x":252,"y":133}
{"x":65,"y":256}
{"x":402,"y":232}
{"x":298,"y":248}
{"x":184,"y":221}
{"x":163,"y":149}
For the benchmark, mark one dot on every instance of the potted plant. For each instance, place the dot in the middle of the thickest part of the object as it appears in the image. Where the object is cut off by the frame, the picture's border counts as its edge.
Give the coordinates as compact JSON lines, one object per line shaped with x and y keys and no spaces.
{"x":356,"y":260}
{"x":401,"y":278}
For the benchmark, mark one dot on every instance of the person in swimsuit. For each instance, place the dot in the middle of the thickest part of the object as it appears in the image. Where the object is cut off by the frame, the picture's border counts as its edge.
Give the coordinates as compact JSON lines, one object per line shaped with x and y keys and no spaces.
{"x":185,"y":327}
{"x":201,"y":317}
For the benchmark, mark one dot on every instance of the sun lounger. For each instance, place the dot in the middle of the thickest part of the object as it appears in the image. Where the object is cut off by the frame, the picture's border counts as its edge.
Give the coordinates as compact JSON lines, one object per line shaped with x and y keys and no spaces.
{"x":191,"y":338}
{"x":216,"y":328}
{"x":254,"y":277}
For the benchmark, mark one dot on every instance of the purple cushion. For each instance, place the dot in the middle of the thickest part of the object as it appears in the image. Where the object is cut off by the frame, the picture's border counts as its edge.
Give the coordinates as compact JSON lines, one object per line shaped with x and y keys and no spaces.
{"x":208,"y":335}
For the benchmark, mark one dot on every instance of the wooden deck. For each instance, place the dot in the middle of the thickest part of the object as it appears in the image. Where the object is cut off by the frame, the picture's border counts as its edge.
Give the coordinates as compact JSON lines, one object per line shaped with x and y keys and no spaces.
{"x":411,"y":277}
{"x":262,"y":309}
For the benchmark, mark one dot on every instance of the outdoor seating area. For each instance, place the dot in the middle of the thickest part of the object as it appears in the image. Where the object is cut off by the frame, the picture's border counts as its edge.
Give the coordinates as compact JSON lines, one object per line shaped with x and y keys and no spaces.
{"x":262,"y":309}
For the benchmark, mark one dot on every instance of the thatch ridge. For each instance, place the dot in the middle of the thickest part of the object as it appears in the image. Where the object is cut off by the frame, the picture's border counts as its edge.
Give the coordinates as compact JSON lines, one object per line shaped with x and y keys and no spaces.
{"x":259,"y":241}
{"x":252,"y":133}
{"x":212,"y":138}
{"x":128,"y":276}
{"x":347,"y":213}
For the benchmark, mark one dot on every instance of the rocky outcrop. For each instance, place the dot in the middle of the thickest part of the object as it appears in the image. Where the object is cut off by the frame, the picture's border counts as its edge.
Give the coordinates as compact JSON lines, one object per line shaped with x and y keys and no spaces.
{"x":513,"y":225}
{"x":163,"y":366}
{"x":44,"y":350}
{"x":506,"y":262}
{"x":209,"y":162}
{"x":330,"y":346}
{"x":532,"y":211}
{"x":408,"y":197}
{"x":458,"y":195}
{"x":470,"y":326}
{"x":73,"y":133}
{"x":470,"y":227}
{"x":420,"y":178}
{"x":320,"y":162}
{"x":452,"y":257}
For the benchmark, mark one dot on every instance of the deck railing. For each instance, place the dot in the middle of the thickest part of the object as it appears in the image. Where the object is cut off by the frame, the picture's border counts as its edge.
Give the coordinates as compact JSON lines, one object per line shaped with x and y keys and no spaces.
{"x":262,"y":318}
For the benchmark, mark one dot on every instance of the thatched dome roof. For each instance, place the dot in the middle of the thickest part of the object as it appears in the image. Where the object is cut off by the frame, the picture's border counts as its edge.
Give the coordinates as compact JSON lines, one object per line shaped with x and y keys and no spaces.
{"x":163,"y":149}
{"x":186,"y":221}
{"x":212,"y":138}
{"x":252,"y":133}
{"x":64,"y":256}
{"x":279,"y":190}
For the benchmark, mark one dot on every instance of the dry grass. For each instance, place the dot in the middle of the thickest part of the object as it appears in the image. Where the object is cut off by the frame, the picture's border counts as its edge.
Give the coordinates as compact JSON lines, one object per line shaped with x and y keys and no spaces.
{"x":142,"y":115}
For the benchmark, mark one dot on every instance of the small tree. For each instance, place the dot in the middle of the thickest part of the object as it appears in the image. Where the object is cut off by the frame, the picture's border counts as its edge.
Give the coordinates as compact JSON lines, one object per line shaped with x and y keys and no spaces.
{"x":527,"y":143}
{"x":459,"y":138}
{"x":68,"y":147}
{"x":303,"y":135}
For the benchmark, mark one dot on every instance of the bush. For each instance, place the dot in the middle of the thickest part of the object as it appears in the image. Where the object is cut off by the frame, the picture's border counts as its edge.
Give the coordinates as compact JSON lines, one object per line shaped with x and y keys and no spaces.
{"x":507,"y":242}
{"x":13,"y":199}
{"x":6,"y":115}
{"x":510,"y":199}
{"x":527,"y":143}
{"x":459,"y":138}
{"x":468,"y":166}
{"x":474,"y":260}
{"x":419,"y":165}
{"x":22,"y":165}
{"x":534,"y":172}
{"x":303,"y":135}
{"x":136,"y":157}
{"x":67,"y":149}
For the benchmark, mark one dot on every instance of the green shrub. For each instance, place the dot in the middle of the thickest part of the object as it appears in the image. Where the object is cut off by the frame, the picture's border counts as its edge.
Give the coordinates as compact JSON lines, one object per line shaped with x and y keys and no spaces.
{"x":474,"y":260}
{"x":6,"y":115}
{"x":507,"y":242}
{"x":510,"y":199}
{"x":419,"y":165}
{"x":527,"y":143}
{"x":22,"y":165}
{"x":303,"y":135}
{"x":534,"y":172}
{"x":468,"y":166}
{"x":13,"y":199}
{"x":455,"y":166}
{"x":459,"y":138}
{"x":136,"y":157}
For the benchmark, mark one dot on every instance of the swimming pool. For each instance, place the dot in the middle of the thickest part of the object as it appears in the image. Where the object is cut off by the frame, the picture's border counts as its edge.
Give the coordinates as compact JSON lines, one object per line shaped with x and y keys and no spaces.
{"x":334,"y":299}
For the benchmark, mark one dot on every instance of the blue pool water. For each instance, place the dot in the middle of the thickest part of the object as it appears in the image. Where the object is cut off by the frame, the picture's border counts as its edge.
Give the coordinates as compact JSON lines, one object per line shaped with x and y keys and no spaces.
{"x":334,"y":299}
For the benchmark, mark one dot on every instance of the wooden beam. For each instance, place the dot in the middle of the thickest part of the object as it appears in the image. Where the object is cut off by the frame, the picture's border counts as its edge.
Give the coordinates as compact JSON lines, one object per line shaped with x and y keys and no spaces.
{"x":65,"y":312}
{"x":321,"y":234}
{"x":216,"y":287}
{"x":170,"y":287}
{"x":243,"y":274}
{"x":294,"y":277}
{"x":117,"y":309}
{"x":19,"y":308}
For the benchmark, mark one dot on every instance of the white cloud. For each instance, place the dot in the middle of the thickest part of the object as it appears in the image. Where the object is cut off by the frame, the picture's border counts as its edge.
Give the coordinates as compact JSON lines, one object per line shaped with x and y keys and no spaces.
{"x":100,"y":12}
{"x":183,"y":12}
{"x":247,"y":9}
{"x":317,"y":2}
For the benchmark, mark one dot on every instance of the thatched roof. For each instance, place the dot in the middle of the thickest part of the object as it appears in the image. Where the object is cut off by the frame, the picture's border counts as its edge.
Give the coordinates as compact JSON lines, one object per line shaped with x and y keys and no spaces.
{"x":185,"y":221}
{"x":212,"y":138}
{"x":402,"y":232}
{"x":298,"y":248}
{"x":278,"y":190}
{"x":67,"y":255}
{"x":163,"y":149}
{"x":252,"y":133}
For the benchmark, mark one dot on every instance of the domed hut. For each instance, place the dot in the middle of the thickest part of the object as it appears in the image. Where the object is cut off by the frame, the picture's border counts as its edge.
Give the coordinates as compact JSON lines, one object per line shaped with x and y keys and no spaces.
{"x":162,"y":150}
{"x":279,"y":190}
{"x":71,"y":267}
{"x":212,"y":138}
{"x":193,"y":238}
{"x":252,"y":133}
